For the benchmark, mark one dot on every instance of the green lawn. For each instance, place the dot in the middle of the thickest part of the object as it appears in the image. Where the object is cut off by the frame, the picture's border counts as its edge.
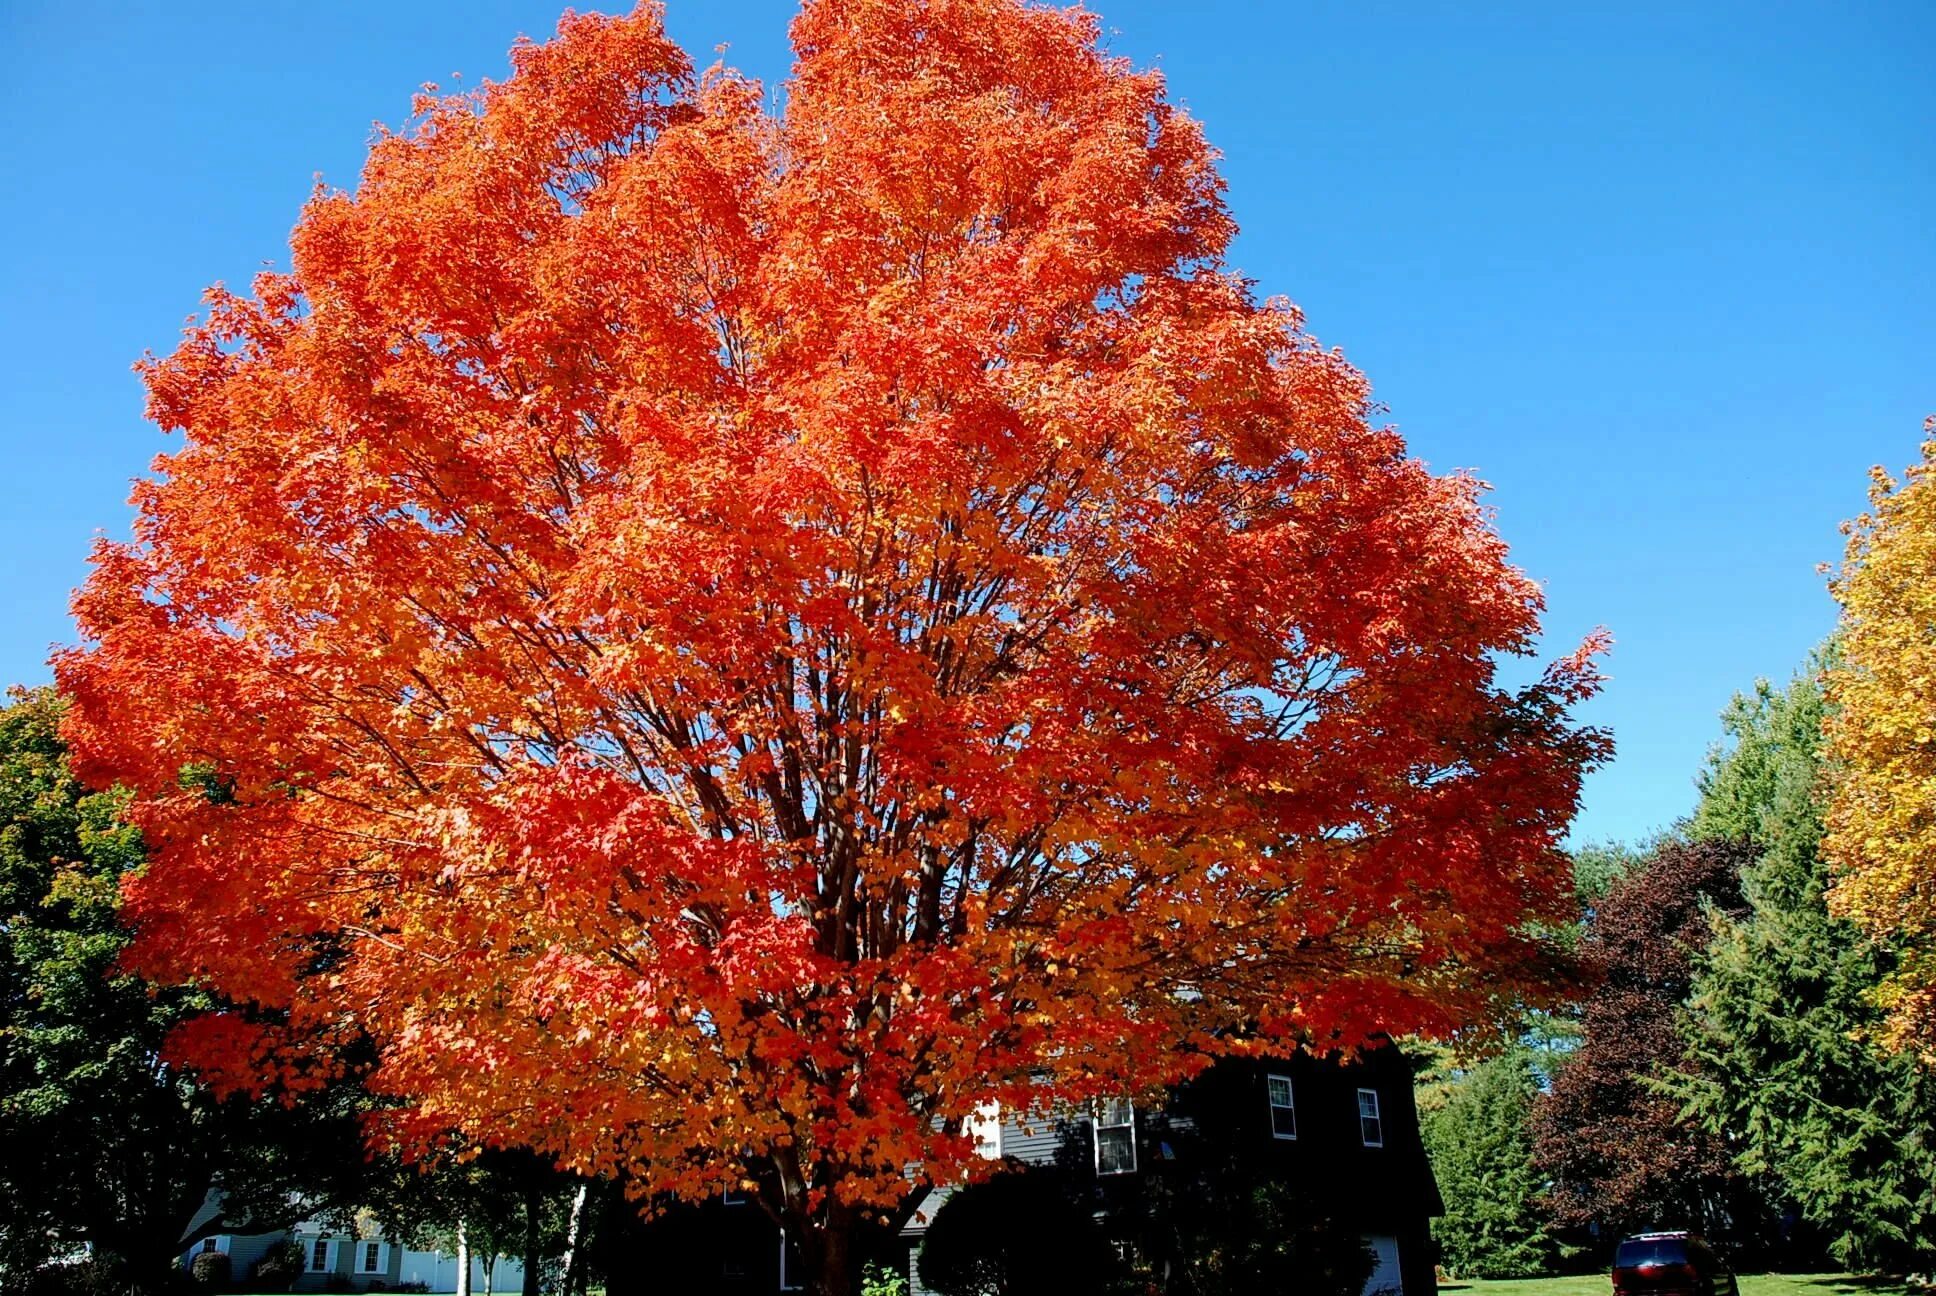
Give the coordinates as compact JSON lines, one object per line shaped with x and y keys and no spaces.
{"x":1751,"y":1285}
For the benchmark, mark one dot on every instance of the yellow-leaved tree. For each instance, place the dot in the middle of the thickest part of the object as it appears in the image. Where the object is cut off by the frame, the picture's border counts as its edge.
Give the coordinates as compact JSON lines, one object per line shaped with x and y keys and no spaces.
{"x":1882,"y":738}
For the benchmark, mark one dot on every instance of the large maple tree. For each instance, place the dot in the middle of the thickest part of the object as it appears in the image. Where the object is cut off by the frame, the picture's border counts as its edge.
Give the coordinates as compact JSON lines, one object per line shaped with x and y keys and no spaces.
{"x":722,"y":638}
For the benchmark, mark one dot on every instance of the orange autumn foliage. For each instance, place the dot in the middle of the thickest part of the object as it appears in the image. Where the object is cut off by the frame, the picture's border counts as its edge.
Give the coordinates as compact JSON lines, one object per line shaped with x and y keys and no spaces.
{"x":720,"y":641}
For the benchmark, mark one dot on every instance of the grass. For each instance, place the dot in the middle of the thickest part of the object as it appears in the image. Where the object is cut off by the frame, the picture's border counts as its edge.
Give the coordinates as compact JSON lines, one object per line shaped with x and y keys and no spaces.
{"x":1751,"y":1285}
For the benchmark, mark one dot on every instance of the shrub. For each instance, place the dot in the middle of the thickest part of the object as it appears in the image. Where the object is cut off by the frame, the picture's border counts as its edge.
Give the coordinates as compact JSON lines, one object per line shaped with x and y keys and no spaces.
{"x":278,"y":1267}
{"x":879,"y":1280}
{"x":1272,"y":1237}
{"x":210,"y":1269}
{"x":1021,"y":1233}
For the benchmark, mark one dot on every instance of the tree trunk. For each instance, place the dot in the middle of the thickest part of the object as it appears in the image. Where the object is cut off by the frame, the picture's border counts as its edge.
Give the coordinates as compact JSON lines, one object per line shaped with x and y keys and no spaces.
{"x":827,"y":1245}
{"x":463,"y":1262}
{"x":531,"y":1240}
{"x":574,"y":1259}
{"x":490,"y":1272}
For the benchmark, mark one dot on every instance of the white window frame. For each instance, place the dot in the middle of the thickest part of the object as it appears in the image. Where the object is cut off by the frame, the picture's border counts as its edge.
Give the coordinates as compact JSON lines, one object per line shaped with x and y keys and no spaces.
{"x":1289,"y":1104}
{"x":732,"y":1197}
{"x":787,"y":1281}
{"x":1097,"y":1126}
{"x":363,"y":1255}
{"x":329,"y":1254}
{"x":1376,"y":1115}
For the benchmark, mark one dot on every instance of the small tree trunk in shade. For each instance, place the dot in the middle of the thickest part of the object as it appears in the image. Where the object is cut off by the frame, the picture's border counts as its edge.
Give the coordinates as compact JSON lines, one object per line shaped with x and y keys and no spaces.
{"x":490,"y":1272}
{"x":531,"y":1240}
{"x":463,"y":1262}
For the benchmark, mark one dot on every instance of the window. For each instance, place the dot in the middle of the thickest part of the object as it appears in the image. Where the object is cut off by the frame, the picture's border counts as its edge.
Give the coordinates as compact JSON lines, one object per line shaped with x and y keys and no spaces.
{"x":1283,"y":1111}
{"x":985,"y":1127}
{"x":320,"y":1249}
{"x":370,"y":1258}
{"x":1370,"y":1127}
{"x":1115,"y":1137}
{"x":732,"y":1197}
{"x":215,"y":1244}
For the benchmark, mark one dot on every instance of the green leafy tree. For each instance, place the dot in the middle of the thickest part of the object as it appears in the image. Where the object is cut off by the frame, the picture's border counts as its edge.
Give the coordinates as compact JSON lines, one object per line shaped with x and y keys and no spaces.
{"x":499,"y":1202}
{"x":1783,"y":1022}
{"x":106,"y":1146}
{"x":103,"y":1144}
{"x":1482,"y":1154}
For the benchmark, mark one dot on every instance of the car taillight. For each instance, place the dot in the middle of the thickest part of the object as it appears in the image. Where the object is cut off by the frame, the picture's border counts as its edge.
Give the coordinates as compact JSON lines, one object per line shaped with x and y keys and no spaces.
{"x":1651,"y":1273}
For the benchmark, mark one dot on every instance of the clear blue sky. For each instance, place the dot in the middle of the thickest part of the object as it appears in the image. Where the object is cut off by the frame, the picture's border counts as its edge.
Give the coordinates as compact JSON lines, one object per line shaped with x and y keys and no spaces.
{"x":1665,"y":274}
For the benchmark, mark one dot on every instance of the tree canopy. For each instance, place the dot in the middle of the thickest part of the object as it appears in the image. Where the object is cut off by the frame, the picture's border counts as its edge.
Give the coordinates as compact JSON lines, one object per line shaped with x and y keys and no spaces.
{"x":778,"y":629}
{"x":1481,"y":1147}
{"x":1882,"y":815}
{"x":1618,"y":1155}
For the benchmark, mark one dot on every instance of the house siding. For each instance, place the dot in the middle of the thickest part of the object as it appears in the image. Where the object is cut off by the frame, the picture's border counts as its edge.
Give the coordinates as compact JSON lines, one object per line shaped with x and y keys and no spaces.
{"x":435,"y":1269}
{"x":1036,"y":1137}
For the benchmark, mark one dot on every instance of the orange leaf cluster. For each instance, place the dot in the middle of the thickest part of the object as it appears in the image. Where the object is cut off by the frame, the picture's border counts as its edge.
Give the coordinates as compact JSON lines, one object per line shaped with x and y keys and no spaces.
{"x":720,"y":641}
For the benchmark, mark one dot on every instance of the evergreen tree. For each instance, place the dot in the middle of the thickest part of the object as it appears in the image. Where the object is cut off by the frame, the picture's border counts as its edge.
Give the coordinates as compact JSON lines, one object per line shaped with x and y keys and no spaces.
{"x":1481,"y":1151}
{"x":1783,"y":1021}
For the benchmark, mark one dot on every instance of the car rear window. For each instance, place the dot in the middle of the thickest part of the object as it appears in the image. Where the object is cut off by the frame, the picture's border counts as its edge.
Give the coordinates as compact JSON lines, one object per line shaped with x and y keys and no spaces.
{"x":1640,"y":1251}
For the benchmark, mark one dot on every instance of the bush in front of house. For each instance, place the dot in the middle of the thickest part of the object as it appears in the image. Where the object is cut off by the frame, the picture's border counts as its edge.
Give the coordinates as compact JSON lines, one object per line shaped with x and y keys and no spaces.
{"x":1018,"y":1232}
{"x":277,"y":1269}
{"x":210,"y":1269}
{"x":879,"y":1280}
{"x":1260,"y":1239}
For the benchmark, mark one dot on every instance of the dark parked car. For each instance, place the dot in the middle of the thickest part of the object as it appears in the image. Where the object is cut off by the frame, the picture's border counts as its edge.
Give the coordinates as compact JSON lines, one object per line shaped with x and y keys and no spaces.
{"x":1670,"y":1264}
